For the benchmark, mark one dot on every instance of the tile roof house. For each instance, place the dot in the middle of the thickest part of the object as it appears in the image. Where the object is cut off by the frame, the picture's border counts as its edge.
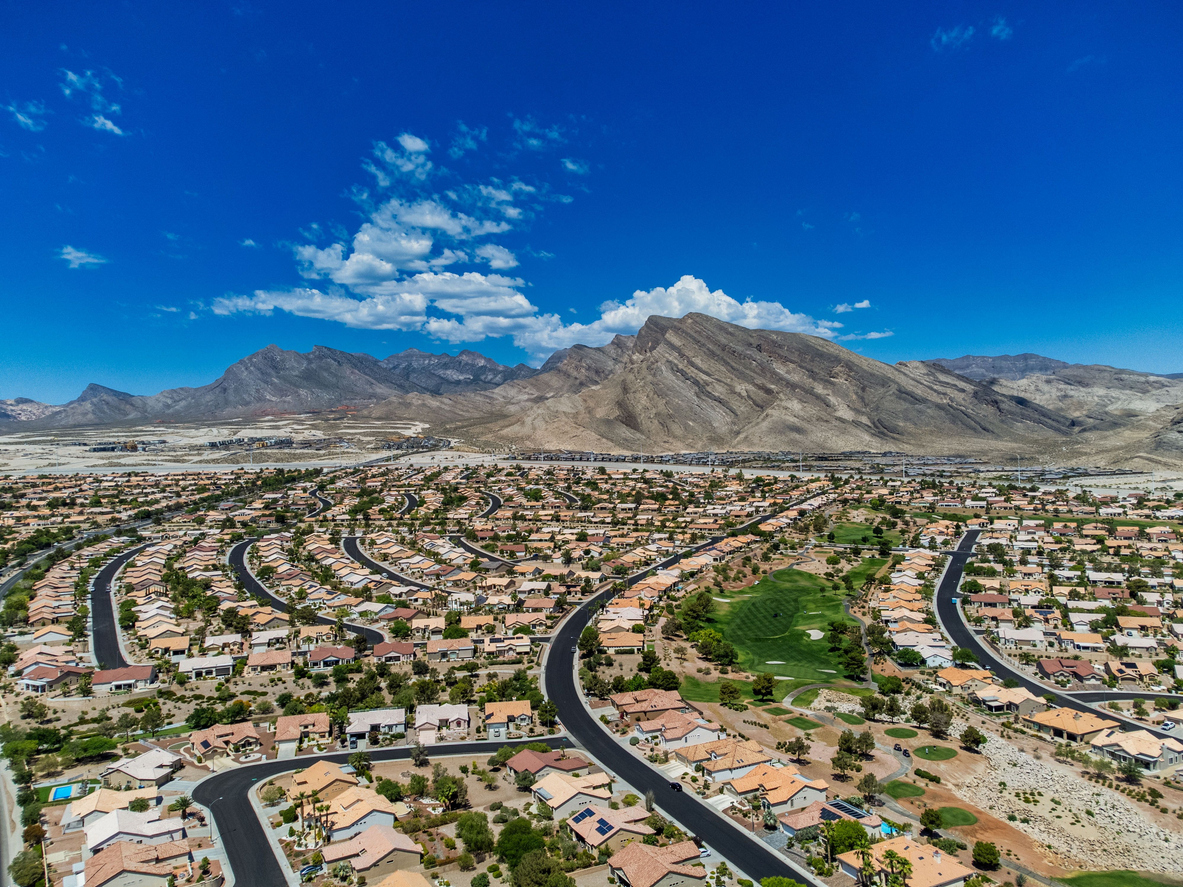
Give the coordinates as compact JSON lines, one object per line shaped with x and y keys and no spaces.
{"x":355,"y":810}
{"x":155,"y":766}
{"x":404,"y":879}
{"x":645,"y":705}
{"x":225,"y":739}
{"x":326,"y":779}
{"x":1150,"y":751}
{"x":291,"y":730}
{"x":644,"y":865}
{"x":599,"y":827}
{"x":821,"y":812}
{"x":138,"y":828}
{"x":83,"y":811}
{"x":386,"y":721}
{"x":675,"y":730}
{"x":118,"y":680}
{"x":502,"y":717}
{"x":150,"y":865}
{"x":724,"y":759}
{"x":566,"y":794}
{"x":779,"y":788}
{"x":541,"y":763}
{"x":1067,"y":723}
{"x":269,"y":660}
{"x":375,"y":852}
{"x":930,"y":867}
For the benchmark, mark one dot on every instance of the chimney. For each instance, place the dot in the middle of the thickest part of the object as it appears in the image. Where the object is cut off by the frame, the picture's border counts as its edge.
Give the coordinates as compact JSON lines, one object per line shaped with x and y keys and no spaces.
{"x":936,"y":856}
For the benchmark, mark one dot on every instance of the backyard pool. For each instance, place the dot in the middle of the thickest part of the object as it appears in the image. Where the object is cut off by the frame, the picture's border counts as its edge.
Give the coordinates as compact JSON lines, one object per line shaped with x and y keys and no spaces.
{"x":61,"y":792}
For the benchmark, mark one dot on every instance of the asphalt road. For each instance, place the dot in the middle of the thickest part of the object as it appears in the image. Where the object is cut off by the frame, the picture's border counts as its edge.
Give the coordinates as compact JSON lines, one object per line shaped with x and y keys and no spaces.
{"x":323,"y":504}
{"x":963,"y":636}
{"x":237,"y":560}
{"x":351,"y":547}
{"x":102,"y":613}
{"x":225,"y":796}
{"x":480,"y":552}
{"x":495,"y":503}
{"x":412,"y":504}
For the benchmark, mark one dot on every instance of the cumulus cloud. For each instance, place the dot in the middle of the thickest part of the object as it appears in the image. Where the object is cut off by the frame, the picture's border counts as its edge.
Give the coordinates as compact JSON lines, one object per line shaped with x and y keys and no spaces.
{"x":102,"y":124}
{"x":79,"y":258}
{"x":534,"y":136}
{"x":846,"y":307}
{"x":498,"y":257}
{"x":951,"y":38}
{"x":90,"y":87}
{"x":247,"y":242}
{"x":850,"y":337}
{"x":1001,"y":30}
{"x":392,"y":312}
{"x":466,"y":138}
{"x":579,"y":167}
{"x":30,"y":115}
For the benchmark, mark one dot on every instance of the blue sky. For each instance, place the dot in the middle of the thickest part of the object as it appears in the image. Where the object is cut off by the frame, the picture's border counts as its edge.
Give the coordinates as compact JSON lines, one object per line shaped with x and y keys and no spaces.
{"x":186,"y":183}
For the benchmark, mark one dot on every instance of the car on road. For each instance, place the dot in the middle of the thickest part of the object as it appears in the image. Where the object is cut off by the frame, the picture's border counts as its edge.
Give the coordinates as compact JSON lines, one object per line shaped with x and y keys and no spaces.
{"x":1168,"y":725}
{"x":907,"y":754}
{"x":676,"y":786}
{"x":704,"y":852}
{"x":575,"y":649}
{"x":898,"y":747}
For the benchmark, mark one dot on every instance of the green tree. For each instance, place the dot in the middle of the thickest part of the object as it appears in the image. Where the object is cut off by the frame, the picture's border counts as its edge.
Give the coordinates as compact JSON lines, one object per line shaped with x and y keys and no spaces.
{"x":152,"y":721}
{"x":1130,"y":770}
{"x":847,"y":835}
{"x":26,"y":868}
{"x":930,"y":819}
{"x":972,"y":738}
{"x":589,"y":641}
{"x":139,"y":805}
{"x":798,"y":747}
{"x":536,"y":869}
{"x":985,"y":855}
{"x":729,"y":692}
{"x":844,"y":763}
{"x":517,"y":839}
{"x":764,"y":686}
{"x":474,"y":831}
{"x":869,"y":786}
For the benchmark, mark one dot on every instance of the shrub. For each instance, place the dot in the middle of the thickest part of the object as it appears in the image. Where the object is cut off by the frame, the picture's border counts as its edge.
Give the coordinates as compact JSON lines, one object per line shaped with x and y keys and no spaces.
{"x":288,"y":815}
{"x":481,"y":880}
{"x":985,"y":855}
{"x":931,"y":777}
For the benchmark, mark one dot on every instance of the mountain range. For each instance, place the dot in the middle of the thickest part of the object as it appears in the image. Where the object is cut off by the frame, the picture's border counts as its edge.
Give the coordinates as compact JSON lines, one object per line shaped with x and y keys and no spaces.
{"x":694,"y":383}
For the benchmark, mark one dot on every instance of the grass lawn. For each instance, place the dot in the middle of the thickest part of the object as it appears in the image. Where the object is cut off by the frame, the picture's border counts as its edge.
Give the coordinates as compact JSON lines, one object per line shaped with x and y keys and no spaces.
{"x":900,"y":732}
{"x":802,"y":723}
{"x":769,"y":629}
{"x":853,"y":720}
{"x":695,"y":690}
{"x":1111,"y":879}
{"x":951,"y":817}
{"x":935,"y":752}
{"x":777,"y":711}
{"x":899,"y":789}
{"x":869,"y":567}
{"x":852,"y":533}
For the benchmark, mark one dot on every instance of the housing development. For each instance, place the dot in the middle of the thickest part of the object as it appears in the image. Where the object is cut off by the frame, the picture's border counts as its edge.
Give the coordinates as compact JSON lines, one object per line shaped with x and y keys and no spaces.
{"x":450,"y":671}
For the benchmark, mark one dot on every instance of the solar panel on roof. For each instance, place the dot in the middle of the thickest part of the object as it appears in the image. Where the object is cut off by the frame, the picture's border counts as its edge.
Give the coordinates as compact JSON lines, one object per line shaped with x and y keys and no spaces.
{"x":603,"y":828}
{"x":582,"y":815}
{"x":848,"y":808}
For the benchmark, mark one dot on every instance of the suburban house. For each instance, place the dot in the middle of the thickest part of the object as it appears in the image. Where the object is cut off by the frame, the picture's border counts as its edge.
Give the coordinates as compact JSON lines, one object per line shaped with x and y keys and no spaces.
{"x":822,"y":811}
{"x":1008,"y":699}
{"x":83,"y":811}
{"x":930,"y":867}
{"x":645,"y":865}
{"x":122,"y":680}
{"x":1067,"y":723}
{"x":324,"y":779}
{"x":384,"y":721}
{"x":1069,"y":670}
{"x":779,"y":789}
{"x":674,"y":730}
{"x":225,"y":739}
{"x":138,"y":828}
{"x":503,"y":717}
{"x":326,"y":657}
{"x":155,"y":766}
{"x":724,"y":759}
{"x":206,"y":668}
{"x":567,"y":794}
{"x":355,"y":810}
{"x":540,"y":764}
{"x":645,"y":705}
{"x":375,"y":852}
{"x":962,"y":680}
{"x":434,"y":719}
{"x":46,"y":678}
{"x":1151,"y":752}
{"x":600,"y":827}
{"x":292,"y":730}
{"x":269,"y":661}
{"x":122,"y":863}
{"x":394,"y":651}
{"x":450,"y":649}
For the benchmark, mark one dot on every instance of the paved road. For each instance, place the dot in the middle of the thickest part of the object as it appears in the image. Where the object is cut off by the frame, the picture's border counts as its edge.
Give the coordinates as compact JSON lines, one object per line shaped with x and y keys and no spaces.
{"x":412,"y":504}
{"x":482,"y":553}
{"x":102,"y":613}
{"x":225,"y":796}
{"x":963,"y":636}
{"x":351,"y":546}
{"x":237,"y":560}
{"x":495,"y":503}
{"x":323,"y":503}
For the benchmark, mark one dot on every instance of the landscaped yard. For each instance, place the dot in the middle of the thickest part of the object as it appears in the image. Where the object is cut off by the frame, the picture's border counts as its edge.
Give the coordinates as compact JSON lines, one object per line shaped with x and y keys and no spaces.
{"x":853,"y":720}
{"x":802,"y":723}
{"x":900,"y":732}
{"x":899,"y":789}
{"x":695,"y":690}
{"x":935,"y":752}
{"x":952,"y":817}
{"x":770,"y":629}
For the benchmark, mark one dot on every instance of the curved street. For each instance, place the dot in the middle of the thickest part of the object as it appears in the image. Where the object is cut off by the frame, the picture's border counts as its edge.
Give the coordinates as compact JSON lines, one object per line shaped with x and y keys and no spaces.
{"x":237,"y":559}
{"x":948,"y":611}
{"x":495,"y":503}
{"x":352,"y":547}
{"x":104,"y":631}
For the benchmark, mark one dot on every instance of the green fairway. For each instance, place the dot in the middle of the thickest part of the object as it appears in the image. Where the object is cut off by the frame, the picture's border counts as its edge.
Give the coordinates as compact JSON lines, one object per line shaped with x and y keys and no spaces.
{"x":898,"y":789}
{"x":868,"y":568}
{"x":900,"y":732}
{"x":952,"y":817}
{"x":770,"y":628}
{"x":935,"y":752}
{"x":1111,"y":879}
{"x":777,"y":711}
{"x":853,"y":720}
{"x":852,"y":533}
{"x":803,"y":723}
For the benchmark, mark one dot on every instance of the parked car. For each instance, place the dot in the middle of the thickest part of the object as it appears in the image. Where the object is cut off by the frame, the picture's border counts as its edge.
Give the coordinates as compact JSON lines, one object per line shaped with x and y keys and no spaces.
{"x":676,"y":786}
{"x":907,"y":754}
{"x":898,"y":747}
{"x":704,"y":852}
{"x":1168,"y":725}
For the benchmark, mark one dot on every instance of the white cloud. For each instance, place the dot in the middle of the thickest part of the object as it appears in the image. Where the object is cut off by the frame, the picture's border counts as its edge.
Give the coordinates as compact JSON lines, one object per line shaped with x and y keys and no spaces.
{"x":536,"y":137}
{"x":102,"y":124}
{"x":467,"y":138}
{"x":413,"y":144}
{"x":498,"y":257}
{"x":407,"y":161}
{"x":28,"y":116}
{"x":851,"y":337}
{"x":951,"y":38}
{"x":846,"y":307}
{"x":392,"y":312}
{"x":579,"y":167}
{"x":246,"y":241}
{"x":1001,"y":30}
{"x":78,"y":258}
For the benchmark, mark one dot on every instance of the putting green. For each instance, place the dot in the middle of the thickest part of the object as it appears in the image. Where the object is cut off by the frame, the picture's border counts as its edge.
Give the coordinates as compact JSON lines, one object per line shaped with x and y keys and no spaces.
{"x":853,"y":720}
{"x":935,"y":752}
{"x":899,"y":789}
{"x":802,"y":723}
{"x":952,"y":817}
{"x":900,"y":732}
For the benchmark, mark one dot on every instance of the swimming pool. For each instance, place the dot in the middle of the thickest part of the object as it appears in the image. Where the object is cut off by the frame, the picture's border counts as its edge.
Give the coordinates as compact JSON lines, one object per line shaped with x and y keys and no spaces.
{"x":60,"y":792}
